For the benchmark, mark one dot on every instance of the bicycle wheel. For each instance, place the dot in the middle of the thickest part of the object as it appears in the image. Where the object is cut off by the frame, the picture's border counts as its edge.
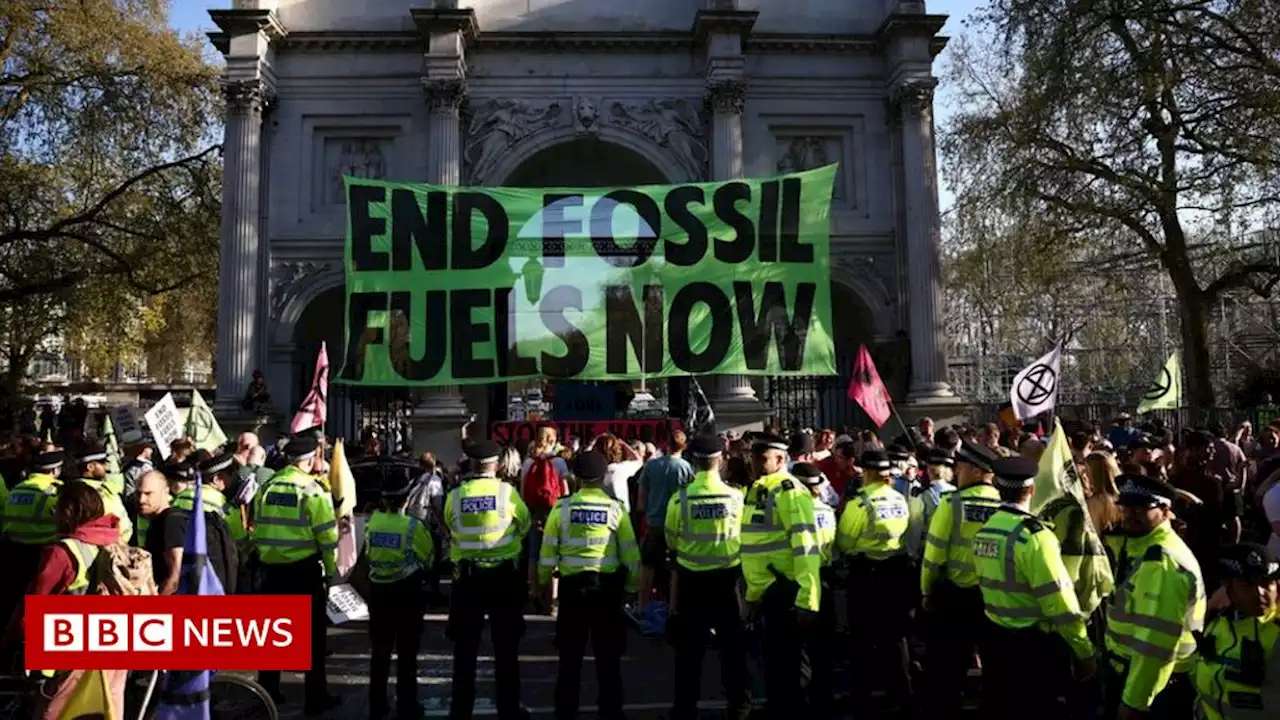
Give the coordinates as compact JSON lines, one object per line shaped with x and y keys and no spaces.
{"x":235,"y":697}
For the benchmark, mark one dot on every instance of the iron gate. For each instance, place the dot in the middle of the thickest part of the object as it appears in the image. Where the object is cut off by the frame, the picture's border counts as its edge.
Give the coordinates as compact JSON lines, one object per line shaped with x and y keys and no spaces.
{"x":809,"y":401}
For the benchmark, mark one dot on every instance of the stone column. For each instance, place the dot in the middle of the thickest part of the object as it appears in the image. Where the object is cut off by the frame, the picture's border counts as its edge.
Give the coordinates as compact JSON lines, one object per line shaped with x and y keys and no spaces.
{"x":439,"y":417}
{"x":734,"y":401}
{"x":239,"y":279}
{"x":914,"y":102}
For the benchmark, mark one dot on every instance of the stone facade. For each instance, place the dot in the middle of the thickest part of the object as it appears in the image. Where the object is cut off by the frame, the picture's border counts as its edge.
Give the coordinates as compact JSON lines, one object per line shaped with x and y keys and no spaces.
{"x":477,"y":91}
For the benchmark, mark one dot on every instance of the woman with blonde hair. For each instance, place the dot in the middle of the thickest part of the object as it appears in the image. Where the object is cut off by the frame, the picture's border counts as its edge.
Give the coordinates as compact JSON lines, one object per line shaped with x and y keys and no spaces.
{"x":1101,"y":491}
{"x":532,"y":476}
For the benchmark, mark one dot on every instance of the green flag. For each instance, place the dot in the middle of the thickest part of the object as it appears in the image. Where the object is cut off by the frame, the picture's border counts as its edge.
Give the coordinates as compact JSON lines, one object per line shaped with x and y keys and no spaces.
{"x":202,"y":426}
{"x":1166,"y":392}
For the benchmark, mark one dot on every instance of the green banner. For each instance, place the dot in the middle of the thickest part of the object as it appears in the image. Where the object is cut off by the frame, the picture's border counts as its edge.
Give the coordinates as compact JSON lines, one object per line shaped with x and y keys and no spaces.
{"x":458,"y":286}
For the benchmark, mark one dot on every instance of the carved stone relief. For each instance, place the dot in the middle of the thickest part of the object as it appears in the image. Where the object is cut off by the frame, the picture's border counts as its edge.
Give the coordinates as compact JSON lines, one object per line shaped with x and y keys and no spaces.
{"x":586,"y":115}
{"x":354,"y":156}
{"x":288,"y":277}
{"x":674,"y":124}
{"x":876,"y":273}
{"x":496,"y":125}
{"x":806,"y":152}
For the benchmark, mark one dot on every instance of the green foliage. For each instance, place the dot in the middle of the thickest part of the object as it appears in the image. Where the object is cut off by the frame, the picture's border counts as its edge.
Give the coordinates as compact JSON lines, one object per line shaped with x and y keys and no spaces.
{"x":109,"y":184}
{"x":1134,"y":134}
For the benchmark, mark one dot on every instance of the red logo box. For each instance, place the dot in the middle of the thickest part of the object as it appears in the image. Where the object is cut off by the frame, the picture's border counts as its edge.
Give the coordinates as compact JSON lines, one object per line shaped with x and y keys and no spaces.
{"x":174,"y":632}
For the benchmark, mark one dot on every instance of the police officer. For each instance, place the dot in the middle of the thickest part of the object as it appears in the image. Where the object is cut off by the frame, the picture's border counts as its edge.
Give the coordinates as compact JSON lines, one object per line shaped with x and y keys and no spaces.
{"x":1036,"y":620}
{"x":1235,"y":673}
{"x":487,"y":523}
{"x":296,"y":538}
{"x":589,"y":541}
{"x":870,"y":534}
{"x":948,"y":582}
{"x":1158,"y":604}
{"x":214,"y":474}
{"x":92,"y":460}
{"x":781,"y":563}
{"x":821,"y":642}
{"x":703,"y":531}
{"x":400,"y":552}
{"x":26,"y":520}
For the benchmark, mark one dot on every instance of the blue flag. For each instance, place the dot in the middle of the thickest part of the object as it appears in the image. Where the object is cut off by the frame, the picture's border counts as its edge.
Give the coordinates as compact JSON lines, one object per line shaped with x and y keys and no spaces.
{"x":186,"y":693}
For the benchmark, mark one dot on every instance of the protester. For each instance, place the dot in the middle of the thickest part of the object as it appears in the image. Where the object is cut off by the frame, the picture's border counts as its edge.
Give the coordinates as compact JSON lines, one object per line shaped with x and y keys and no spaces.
{"x":659,"y":479}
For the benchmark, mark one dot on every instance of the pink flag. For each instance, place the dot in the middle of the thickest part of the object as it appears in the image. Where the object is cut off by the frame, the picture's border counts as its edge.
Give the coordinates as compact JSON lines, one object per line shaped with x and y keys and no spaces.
{"x":868,"y":390}
{"x":315,"y":406}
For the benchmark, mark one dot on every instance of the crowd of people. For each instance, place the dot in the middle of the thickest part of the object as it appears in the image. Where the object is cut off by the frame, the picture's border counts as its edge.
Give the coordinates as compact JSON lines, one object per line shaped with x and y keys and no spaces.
{"x":926,"y":544}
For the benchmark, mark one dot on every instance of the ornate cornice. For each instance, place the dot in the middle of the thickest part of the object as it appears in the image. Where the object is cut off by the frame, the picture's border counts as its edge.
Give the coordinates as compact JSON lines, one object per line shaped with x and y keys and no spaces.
{"x":246,"y":95}
{"x":288,"y":277}
{"x":727,"y":95}
{"x":445,"y":95}
{"x":913,"y":96}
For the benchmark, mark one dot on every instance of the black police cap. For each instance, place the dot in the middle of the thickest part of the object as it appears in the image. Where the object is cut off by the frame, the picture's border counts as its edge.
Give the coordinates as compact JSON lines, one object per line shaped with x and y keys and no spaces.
{"x":218,"y":463}
{"x":706,"y":446}
{"x":874,"y":460}
{"x":179,"y":470}
{"x":590,"y":465}
{"x":300,"y":446}
{"x":91,"y":452}
{"x":1143,"y":491}
{"x":484,"y":451}
{"x":768,"y":441}
{"x":50,"y":460}
{"x":941,"y":458}
{"x":1015,"y":472}
{"x":807,"y":474}
{"x":1250,"y":562}
{"x":979,"y":456}
{"x":897,"y":453}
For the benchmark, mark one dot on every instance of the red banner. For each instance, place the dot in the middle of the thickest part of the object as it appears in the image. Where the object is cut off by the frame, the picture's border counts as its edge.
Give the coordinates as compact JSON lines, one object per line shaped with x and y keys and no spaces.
{"x":175,"y":632}
{"x":657,"y":431}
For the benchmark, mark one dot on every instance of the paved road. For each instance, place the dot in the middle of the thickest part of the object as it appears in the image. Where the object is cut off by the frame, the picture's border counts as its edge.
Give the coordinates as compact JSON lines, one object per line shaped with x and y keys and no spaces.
{"x":647,"y":669}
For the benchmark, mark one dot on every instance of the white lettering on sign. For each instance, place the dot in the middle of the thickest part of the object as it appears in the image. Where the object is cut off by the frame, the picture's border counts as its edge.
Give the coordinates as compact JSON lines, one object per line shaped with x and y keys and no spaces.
{"x":586,"y":516}
{"x":480,"y":503}
{"x":108,"y":632}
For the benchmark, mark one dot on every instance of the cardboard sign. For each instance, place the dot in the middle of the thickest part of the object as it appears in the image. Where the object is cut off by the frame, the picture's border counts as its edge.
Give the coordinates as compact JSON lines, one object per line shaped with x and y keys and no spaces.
{"x":346,"y":604}
{"x":124,"y":419}
{"x":165,"y":424}
{"x":656,"y":431}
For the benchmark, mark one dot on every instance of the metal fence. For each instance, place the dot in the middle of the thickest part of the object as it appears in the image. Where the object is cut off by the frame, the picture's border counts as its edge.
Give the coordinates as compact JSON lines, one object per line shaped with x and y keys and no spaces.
{"x":1102,"y":414}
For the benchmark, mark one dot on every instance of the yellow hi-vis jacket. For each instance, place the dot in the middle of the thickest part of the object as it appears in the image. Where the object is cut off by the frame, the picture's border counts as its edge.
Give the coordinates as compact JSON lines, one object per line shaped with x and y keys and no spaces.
{"x":214,"y":500}
{"x":487,"y":521}
{"x":1024,"y":581}
{"x":1227,"y":688}
{"x":703,"y":525}
{"x":26,"y":517}
{"x":589,"y":532}
{"x":947,"y":553}
{"x":294,"y":520}
{"x":1153,"y":614}
{"x":779,"y":534}
{"x":114,"y":505}
{"x":873,"y":522}
{"x":398,"y":546}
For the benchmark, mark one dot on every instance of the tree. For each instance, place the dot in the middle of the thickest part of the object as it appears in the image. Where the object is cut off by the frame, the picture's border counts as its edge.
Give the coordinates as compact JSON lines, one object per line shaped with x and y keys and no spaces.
{"x":1141,"y":123}
{"x":108,"y":177}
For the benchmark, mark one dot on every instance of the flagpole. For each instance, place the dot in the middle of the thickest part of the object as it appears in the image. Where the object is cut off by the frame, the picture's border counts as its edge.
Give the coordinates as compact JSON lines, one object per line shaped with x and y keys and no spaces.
{"x":905,"y":430}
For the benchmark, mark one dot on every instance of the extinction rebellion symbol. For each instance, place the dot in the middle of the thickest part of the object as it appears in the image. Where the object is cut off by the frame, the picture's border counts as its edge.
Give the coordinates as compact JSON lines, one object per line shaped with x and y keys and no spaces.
{"x":1161,"y":386}
{"x":1038,"y":385}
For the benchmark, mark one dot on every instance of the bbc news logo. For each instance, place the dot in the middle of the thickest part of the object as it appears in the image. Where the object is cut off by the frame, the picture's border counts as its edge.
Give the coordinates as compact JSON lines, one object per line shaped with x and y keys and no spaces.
{"x":177,"y":632}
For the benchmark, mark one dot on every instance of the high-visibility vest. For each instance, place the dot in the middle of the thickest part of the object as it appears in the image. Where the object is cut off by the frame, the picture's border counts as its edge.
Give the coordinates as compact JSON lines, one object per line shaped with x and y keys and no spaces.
{"x":703,"y":524}
{"x":1220,"y":675}
{"x":947,"y":552}
{"x":589,"y":532}
{"x":779,"y":535}
{"x":27,"y":516}
{"x":487,"y":521}
{"x":1153,"y":614}
{"x":824,"y":518}
{"x":114,"y":506}
{"x":873,"y":523}
{"x":214,"y":500}
{"x":84,"y":555}
{"x":294,"y":521}
{"x":398,"y":546}
{"x":1024,"y":581}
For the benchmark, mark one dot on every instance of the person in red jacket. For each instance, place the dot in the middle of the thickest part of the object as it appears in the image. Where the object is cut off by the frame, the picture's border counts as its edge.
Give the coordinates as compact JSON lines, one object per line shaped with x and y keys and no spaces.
{"x":83,"y":528}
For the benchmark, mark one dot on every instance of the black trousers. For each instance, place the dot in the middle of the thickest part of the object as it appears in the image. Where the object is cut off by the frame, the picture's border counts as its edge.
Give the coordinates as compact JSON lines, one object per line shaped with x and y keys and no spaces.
{"x":820,"y":646}
{"x":1025,"y":674}
{"x":783,"y":649}
{"x":497,"y":593}
{"x":956,"y":626}
{"x":395,"y":623}
{"x":709,"y":601}
{"x":590,"y":604}
{"x":305,"y":577}
{"x":880,"y":618}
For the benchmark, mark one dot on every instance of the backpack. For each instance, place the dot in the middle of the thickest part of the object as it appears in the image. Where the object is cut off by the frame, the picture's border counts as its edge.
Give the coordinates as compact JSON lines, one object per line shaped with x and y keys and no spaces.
{"x":121,"y":570}
{"x":541,"y":487}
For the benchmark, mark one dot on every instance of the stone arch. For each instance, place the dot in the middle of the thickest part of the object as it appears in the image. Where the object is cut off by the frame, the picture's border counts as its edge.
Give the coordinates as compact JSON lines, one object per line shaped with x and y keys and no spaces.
{"x":293,"y":288}
{"x":855,"y":273}
{"x":496,"y":172}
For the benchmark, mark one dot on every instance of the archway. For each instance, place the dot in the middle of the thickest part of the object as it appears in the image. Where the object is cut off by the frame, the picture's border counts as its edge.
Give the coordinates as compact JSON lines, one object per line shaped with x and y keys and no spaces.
{"x":587,"y":162}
